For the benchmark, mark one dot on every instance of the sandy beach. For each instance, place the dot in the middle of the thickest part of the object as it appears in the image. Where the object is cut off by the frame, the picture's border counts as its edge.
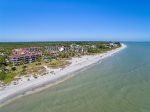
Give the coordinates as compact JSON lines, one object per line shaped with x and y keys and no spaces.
{"x":28,"y":85}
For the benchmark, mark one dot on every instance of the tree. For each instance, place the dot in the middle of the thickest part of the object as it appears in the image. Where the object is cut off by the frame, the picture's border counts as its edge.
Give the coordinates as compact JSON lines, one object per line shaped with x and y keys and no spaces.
{"x":100,"y":46}
{"x":3,"y":59}
{"x":3,"y":63}
{"x":2,"y":75}
{"x":38,"y":59}
{"x":61,"y":54}
{"x":71,"y":54}
{"x":118,"y":43}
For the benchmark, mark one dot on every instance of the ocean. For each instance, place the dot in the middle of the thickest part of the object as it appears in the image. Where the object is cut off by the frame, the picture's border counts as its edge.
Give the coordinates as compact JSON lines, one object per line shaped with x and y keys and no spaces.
{"x":120,"y":83}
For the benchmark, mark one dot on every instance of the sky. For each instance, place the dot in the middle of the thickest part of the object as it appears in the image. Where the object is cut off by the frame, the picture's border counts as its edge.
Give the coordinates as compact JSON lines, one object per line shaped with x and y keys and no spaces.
{"x":66,"y":20}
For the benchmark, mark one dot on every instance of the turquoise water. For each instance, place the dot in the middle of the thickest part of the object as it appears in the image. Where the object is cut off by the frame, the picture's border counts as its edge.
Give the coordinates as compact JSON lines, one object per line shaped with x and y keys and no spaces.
{"x":120,"y":83}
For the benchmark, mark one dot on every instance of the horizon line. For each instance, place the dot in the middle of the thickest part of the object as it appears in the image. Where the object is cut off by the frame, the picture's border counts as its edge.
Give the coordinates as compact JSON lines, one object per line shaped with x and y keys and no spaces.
{"x":70,"y":41}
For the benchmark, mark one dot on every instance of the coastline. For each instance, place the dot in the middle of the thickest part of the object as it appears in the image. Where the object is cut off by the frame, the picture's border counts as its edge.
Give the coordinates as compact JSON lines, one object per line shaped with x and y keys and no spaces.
{"x":25,"y":87}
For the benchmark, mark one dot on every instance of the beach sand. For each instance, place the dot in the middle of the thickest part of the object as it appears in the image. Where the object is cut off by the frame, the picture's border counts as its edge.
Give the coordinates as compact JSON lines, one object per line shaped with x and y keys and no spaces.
{"x":28,"y":85}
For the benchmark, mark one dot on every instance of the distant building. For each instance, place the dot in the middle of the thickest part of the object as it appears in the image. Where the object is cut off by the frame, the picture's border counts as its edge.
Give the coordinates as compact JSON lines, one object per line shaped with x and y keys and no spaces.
{"x":57,"y":48}
{"x":78,"y":48}
{"x":25,"y":55}
{"x":67,"y":48}
{"x":51,"y":48}
{"x":34,"y":49}
{"x":28,"y":58}
{"x":111,"y":45}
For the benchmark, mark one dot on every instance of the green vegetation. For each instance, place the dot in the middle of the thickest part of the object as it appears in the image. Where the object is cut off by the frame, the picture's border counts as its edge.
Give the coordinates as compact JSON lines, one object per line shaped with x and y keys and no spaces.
{"x":34,"y":69}
{"x":61,"y":63}
{"x":7,"y":77}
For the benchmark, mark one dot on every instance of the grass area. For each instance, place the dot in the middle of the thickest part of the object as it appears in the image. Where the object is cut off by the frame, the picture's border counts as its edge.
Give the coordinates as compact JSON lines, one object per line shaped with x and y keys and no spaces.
{"x":7,"y":77}
{"x":61,"y":63}
{"x":34,"y":69}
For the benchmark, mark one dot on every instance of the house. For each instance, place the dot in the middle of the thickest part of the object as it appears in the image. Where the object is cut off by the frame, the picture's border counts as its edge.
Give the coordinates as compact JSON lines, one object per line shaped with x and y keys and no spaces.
{"x":57,"y":48}
{"x":22,"y":51}
{"x":113,"y":44}
{"x":15,"y":60}
{"x":109,"y":45}
{"x":34,"y":49}
{"x":67,"y":48}
{"x":51,"y":48}
{"x":31,"y":54}
{"x":78,"y":48}
{"x":30,"y":58}
{"x":27,"y":58}
{"x":24,"y":55}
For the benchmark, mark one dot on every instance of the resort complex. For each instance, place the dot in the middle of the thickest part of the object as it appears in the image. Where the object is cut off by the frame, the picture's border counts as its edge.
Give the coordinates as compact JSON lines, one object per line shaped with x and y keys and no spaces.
{"x":19,"y":59}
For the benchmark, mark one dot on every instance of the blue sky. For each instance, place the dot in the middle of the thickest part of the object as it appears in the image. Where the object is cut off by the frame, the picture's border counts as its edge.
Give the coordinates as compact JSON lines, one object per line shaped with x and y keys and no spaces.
{"x":46,"y":20}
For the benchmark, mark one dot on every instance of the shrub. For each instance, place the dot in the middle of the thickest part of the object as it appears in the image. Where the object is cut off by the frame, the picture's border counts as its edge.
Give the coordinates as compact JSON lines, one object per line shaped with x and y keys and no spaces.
{"x":2,"y":76}
{"x":13,"y":68}
{"x":24,"y":67}
{"x":9,"y":77}
{"x":38,"y":63}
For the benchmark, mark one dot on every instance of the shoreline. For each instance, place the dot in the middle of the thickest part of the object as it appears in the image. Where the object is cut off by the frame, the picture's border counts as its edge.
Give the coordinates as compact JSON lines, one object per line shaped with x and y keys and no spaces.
{"x":12,"y":92}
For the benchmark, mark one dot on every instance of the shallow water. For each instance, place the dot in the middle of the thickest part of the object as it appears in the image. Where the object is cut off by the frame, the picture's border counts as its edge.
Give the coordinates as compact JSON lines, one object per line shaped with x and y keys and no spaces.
{"x":120,"y":83}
